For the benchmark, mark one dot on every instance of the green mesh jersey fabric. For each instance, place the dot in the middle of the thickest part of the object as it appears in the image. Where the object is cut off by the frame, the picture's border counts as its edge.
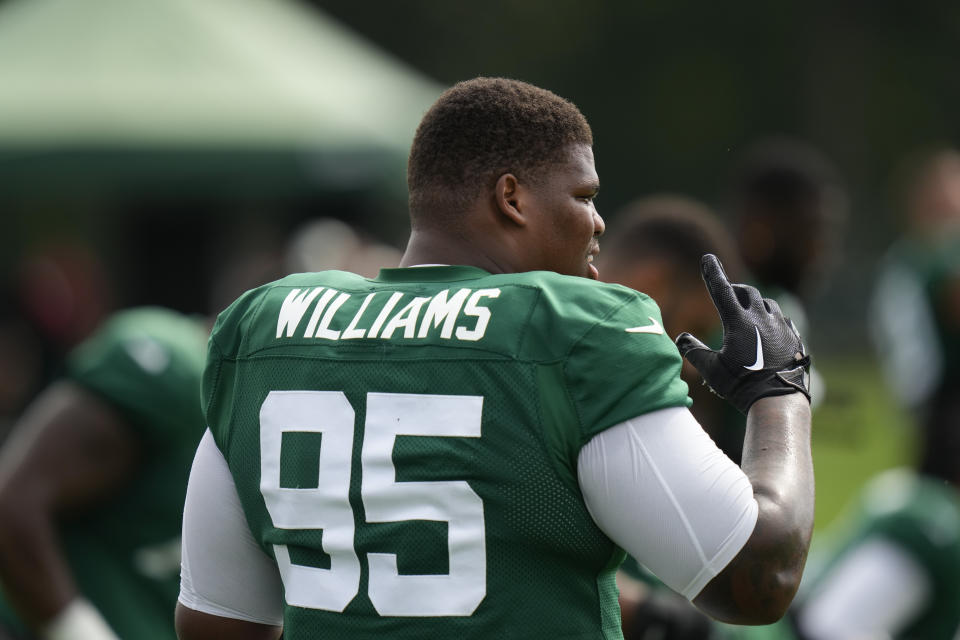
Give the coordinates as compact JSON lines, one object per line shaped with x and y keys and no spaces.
{"x":921,"y":515}
{"x":406,"y":447}
{"x":125,"y":555}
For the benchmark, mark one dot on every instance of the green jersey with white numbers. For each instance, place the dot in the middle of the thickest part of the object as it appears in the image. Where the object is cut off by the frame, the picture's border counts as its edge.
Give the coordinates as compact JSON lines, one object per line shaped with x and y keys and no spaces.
{"x":125,"y":553}
{"x":406,"y":447}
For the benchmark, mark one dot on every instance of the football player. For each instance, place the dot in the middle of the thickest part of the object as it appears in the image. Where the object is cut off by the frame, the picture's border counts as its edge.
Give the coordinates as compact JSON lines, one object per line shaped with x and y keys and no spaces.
{"x":787,"y":204}
{"x":462,"y":446}
{"x":92,"y":480}
{"x":654,"y":246}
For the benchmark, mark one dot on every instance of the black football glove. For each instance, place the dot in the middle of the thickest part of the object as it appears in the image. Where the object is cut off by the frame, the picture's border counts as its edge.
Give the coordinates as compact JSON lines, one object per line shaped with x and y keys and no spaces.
{"x":762,"y":354}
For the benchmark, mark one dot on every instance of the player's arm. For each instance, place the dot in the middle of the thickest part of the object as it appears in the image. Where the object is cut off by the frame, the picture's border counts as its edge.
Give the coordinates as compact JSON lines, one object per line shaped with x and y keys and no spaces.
{"x":732,"y":540}
{"x":229,"y":588}
{"x":757,"y":586}
{"x":69,"y":450}
{"x":762,"y":370}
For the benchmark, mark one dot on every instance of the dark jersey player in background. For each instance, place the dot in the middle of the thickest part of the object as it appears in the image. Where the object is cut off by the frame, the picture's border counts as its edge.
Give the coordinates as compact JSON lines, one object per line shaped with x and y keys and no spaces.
{"x":466,"y":450}
{"x":92,"y":480}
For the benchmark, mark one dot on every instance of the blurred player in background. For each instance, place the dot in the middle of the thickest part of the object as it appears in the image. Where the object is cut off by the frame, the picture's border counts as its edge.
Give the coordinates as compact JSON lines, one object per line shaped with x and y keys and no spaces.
{"x":915,"y":310}
{"x":893,"y":569}
{"x":890,"y":566}
{"x":52,"y":296}
{"x":21,"y":360}
{"x":787,"y":205}
{"x":462,"y":451}
{"x":92,"y":480}
{"x":654,"y":246}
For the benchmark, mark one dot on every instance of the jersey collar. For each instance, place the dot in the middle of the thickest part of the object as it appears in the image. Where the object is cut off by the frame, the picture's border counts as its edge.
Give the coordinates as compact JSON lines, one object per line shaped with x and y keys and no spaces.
{"x":433,"y":273}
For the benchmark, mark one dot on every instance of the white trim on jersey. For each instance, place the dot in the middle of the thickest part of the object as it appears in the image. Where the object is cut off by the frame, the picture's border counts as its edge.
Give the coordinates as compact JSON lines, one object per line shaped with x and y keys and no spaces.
{"x":874,"y":592}
{"x":662,"y":490}
{"x":223,"y":571}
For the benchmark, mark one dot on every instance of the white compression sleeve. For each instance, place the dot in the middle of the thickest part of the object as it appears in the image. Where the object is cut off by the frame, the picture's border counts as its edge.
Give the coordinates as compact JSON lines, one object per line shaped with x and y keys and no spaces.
{"x":223,"y":570}
{"x":663,"y":491}
{"x":874,"y":592}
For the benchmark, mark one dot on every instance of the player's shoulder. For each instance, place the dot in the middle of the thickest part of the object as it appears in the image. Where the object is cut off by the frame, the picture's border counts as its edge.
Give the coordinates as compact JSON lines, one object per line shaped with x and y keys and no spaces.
{"x":157,"y":327}
{"x":568,"y":309}
{"x":150,"y":319}
{"x":565,"y":287}
{"x":139,"y":354}
{"x":582,"y":300}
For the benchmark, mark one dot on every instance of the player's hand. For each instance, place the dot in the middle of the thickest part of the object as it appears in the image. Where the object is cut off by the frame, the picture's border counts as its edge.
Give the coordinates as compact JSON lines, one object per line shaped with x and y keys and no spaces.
{"x":761,"y":355}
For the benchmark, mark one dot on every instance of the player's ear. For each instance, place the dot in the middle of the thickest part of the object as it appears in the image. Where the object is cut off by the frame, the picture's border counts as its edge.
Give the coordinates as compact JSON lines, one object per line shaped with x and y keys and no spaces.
{"x":507,"y":195}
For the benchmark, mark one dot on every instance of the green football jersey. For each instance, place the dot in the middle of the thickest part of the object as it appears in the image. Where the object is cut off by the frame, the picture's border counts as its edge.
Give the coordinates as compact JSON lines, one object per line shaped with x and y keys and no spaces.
{"x":406,"y":447}
{"x":125,"y":554}
{"x":918,"y":514}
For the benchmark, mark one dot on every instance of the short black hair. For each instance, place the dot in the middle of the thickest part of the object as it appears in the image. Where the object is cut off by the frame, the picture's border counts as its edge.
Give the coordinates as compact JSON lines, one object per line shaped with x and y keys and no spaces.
{"x":480,"y":129}
{"x":673,"y":228}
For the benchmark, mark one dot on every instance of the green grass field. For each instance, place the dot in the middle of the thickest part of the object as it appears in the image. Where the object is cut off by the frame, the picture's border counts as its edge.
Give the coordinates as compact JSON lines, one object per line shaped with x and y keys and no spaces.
{"x":857,"y":431}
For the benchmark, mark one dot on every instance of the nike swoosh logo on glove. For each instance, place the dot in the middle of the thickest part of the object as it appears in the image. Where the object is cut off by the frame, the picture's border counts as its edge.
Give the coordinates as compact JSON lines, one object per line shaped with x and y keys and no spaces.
{"x":756,"y":366}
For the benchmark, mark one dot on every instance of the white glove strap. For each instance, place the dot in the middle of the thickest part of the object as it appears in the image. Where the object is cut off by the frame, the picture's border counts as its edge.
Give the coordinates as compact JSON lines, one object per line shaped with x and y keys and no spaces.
{"x":79,"y":620}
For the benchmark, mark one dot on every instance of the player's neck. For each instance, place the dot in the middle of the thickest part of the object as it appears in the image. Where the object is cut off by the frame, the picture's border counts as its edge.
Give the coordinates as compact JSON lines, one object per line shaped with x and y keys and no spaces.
{"x":436,"y":247}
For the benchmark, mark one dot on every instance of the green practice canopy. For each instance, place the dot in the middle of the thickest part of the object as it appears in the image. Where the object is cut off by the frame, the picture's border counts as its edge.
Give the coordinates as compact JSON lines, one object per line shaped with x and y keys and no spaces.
{"x":220,"y":80}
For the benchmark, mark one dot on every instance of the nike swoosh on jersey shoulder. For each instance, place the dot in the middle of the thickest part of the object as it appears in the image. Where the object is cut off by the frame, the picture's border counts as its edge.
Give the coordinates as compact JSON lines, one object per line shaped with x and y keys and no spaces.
{"x":654,"y":327}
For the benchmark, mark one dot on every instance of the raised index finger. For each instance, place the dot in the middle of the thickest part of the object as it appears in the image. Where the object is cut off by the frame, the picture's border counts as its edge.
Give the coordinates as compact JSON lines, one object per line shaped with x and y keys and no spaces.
{"x":721,"y":291}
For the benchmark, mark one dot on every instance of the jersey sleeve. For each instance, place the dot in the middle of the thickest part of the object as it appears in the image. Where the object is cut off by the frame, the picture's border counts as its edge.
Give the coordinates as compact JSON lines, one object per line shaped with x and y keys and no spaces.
{"x":664,"y":463}
{"x":624,"y":366}
{"x":223,"y":571}
{"x":223,"y":347}
{"x":152,"y":381}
